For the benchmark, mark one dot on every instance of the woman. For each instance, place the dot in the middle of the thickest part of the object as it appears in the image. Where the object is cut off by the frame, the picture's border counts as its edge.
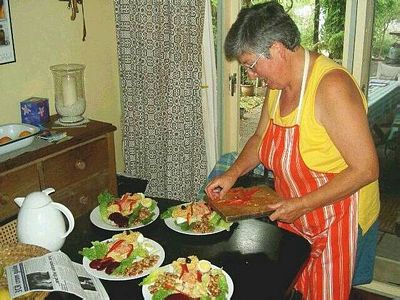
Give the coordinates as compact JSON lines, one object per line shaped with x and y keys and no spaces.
{"x":313,"y":134}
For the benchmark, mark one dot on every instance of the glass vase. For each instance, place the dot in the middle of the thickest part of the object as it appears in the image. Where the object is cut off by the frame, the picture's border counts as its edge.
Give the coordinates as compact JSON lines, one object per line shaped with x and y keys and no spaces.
{"x":69,"y":92}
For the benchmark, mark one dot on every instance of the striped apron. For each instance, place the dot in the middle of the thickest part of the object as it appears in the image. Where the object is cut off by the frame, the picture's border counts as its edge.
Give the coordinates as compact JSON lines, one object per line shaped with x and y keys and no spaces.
{"x":331,"y":230}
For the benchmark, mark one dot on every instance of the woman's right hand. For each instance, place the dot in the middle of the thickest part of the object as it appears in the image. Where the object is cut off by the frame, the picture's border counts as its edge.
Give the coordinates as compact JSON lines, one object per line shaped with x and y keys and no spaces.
{"x":219,"y":185}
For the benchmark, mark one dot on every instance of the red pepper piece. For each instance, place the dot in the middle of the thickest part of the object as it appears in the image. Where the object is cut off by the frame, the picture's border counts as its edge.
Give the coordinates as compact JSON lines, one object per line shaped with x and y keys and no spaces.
{"x":115,"y":246}
{"x":199,"y":275}
{"x":187,"y":218}
{"x":239,"y":196}
{"x":168,"y":286}
{"x":235,"y":202}
{"x":184,"y":269}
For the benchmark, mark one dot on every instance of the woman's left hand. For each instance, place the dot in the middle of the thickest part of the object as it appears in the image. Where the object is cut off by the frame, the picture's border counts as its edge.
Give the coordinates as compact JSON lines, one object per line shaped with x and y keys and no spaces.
{"x":288,"y":210}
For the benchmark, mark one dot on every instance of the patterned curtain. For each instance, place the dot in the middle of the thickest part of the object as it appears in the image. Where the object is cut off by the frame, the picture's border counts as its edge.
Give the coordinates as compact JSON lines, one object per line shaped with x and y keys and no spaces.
{"x":159,"y":45}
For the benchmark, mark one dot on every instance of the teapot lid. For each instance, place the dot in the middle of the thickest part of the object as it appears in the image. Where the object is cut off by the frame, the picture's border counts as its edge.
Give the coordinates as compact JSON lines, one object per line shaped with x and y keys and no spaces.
{"x":38,"y":199}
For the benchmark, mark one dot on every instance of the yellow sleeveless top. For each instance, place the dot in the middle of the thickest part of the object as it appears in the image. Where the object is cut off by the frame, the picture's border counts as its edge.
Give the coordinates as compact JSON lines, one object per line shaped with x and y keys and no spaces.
{"x":317,"y":149}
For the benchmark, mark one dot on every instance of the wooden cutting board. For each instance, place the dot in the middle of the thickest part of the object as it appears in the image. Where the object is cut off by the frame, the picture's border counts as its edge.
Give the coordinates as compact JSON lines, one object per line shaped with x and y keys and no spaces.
{"x":244,"y":203}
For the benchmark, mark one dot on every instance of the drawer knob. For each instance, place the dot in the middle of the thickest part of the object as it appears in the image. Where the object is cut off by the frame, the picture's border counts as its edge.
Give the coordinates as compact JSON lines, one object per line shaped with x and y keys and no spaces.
{"x":83,"y":199}
{"x":80,"y":164}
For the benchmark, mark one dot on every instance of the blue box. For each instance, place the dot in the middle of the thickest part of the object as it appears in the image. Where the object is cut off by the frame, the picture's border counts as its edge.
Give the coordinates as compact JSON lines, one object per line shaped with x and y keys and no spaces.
{"x":35,"y":111}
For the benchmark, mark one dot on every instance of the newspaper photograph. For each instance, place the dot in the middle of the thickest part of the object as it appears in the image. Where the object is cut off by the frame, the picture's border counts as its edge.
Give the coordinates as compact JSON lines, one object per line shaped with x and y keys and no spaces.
{"x":53,"y":272}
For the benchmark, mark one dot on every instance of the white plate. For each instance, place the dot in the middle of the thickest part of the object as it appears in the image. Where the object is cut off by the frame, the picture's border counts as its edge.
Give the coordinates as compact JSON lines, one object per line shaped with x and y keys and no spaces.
{"x":170,"y":222}
{"x":147,"y":295}
{"x":103,"y":275}
{"x":13,"y":130}
{"x":97,"y":220}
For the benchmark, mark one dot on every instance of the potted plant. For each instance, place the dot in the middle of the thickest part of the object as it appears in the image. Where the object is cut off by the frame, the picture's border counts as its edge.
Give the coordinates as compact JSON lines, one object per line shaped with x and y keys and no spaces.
{"x":247,"y":86}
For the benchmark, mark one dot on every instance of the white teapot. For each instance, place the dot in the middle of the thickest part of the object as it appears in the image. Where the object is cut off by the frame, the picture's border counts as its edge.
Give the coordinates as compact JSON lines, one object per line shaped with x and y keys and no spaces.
{"x":40,"y":221}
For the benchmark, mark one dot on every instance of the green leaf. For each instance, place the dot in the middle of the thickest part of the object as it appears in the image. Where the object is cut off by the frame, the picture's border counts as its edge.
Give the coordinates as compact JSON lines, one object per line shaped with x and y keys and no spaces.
{"x":184,"y":226}
{"x":153,"y":205}
{"x":134,"y":214}
{"x":104,"y":198}
{"x":162,"y":294}
{"x":214,"y":219}
{"x":140,"y":251}
{"x":127,"y":262}
{"x":148,"y":219}
{"x":222,"y":283}
{"x":217,"y":221}
{"x":152,"y":277}
{"x":167,"y":214}
{"x":99,"y":250}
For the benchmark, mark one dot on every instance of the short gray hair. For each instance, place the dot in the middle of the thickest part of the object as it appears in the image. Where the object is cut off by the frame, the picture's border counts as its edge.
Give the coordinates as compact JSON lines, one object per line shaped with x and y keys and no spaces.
{"x":258,"y":27}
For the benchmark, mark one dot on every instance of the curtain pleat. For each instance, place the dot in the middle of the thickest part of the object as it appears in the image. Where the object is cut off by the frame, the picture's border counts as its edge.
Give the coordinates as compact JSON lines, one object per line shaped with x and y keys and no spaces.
{"x":159,"y":47}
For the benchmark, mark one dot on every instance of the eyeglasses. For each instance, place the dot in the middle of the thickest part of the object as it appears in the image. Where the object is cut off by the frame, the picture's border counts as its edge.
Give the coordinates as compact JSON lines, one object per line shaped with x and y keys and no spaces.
{"x":251,"y":67}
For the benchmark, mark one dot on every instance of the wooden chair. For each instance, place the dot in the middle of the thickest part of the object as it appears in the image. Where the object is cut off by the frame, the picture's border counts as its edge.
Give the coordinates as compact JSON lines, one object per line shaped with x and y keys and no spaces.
{"x":8,"y":233}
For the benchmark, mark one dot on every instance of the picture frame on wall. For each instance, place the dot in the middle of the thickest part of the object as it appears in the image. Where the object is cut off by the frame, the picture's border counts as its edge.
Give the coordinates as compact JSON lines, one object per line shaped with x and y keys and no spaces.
{"x":7,"y":51}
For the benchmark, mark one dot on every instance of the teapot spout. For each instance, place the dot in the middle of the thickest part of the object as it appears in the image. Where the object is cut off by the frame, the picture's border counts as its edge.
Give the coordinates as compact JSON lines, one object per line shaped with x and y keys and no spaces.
{"x":19,"y":201}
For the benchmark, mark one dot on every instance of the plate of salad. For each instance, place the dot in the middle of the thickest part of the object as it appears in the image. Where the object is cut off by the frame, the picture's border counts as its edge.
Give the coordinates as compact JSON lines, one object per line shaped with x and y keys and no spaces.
{"x":190,"y":278}
{"x":194,"y":218}
{"x":127,"y":255}
{"x":131,"y":211}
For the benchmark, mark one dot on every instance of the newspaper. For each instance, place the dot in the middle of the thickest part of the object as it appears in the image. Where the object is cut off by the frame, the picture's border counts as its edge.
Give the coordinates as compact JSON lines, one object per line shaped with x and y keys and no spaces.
{"x":53,"y":272}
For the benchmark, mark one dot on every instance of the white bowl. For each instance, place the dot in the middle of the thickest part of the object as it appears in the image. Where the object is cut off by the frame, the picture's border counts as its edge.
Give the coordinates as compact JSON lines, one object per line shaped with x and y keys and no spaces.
{"x":13,"y":131}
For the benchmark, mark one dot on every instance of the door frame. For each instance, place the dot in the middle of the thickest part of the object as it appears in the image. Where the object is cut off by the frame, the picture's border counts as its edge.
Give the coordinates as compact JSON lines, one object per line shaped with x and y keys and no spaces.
{"x":228,"y":102}
{"x":359,"y":24}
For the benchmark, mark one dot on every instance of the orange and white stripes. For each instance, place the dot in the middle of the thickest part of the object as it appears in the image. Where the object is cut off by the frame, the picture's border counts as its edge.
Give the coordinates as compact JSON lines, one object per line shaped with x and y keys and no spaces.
{"x":331,"y":230}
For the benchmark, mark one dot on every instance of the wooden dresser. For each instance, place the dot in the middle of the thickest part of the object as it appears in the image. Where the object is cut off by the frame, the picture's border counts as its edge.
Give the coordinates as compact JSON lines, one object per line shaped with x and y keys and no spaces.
{"x":78,"y":169}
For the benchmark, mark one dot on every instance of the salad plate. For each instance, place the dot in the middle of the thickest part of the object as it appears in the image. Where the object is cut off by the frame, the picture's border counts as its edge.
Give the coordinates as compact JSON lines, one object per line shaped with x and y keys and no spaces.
{"x":97,"y":220}
{"x":194,"y":218}
{"x":131,"y":259}
{"x":156,"y":286}
{"x":130,"y":211}
{"x":170,"y":222}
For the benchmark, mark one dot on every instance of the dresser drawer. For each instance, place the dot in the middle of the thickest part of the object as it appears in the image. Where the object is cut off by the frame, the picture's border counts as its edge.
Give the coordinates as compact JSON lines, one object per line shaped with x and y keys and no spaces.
{"x":18,"y":183}
{"x":81,"y":197}
{"x":76,"y":165}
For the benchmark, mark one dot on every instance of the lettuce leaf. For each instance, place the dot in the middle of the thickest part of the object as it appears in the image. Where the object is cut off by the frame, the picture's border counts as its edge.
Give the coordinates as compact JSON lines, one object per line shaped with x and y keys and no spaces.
{"x":153,"y":205}
{"x":104,"y":198}
{"x":152,"y":277}
{"x":226,"y":225}
{"x":216,"y":220}
{"x":162,"y":294}
{"x":184,"y":226}
{"x":148,"y":219}
{"x":127,"y":262}
{"x":167,"y":214}
{"x":135,"y":213}
{"x":98,"y":250}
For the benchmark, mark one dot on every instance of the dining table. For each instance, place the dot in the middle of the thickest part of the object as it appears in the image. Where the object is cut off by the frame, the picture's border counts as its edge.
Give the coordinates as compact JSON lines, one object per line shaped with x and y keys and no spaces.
{"x":262,"y":259}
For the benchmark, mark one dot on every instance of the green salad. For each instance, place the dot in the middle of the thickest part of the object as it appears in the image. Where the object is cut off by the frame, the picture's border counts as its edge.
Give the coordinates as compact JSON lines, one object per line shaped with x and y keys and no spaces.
{"x":189,"y":277}
{"x":128,"y":210}
{"x":196,"y":217}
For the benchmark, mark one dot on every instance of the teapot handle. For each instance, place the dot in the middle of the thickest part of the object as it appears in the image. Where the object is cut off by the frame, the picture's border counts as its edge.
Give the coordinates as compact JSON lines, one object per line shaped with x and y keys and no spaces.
{"x":68,"y":214}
